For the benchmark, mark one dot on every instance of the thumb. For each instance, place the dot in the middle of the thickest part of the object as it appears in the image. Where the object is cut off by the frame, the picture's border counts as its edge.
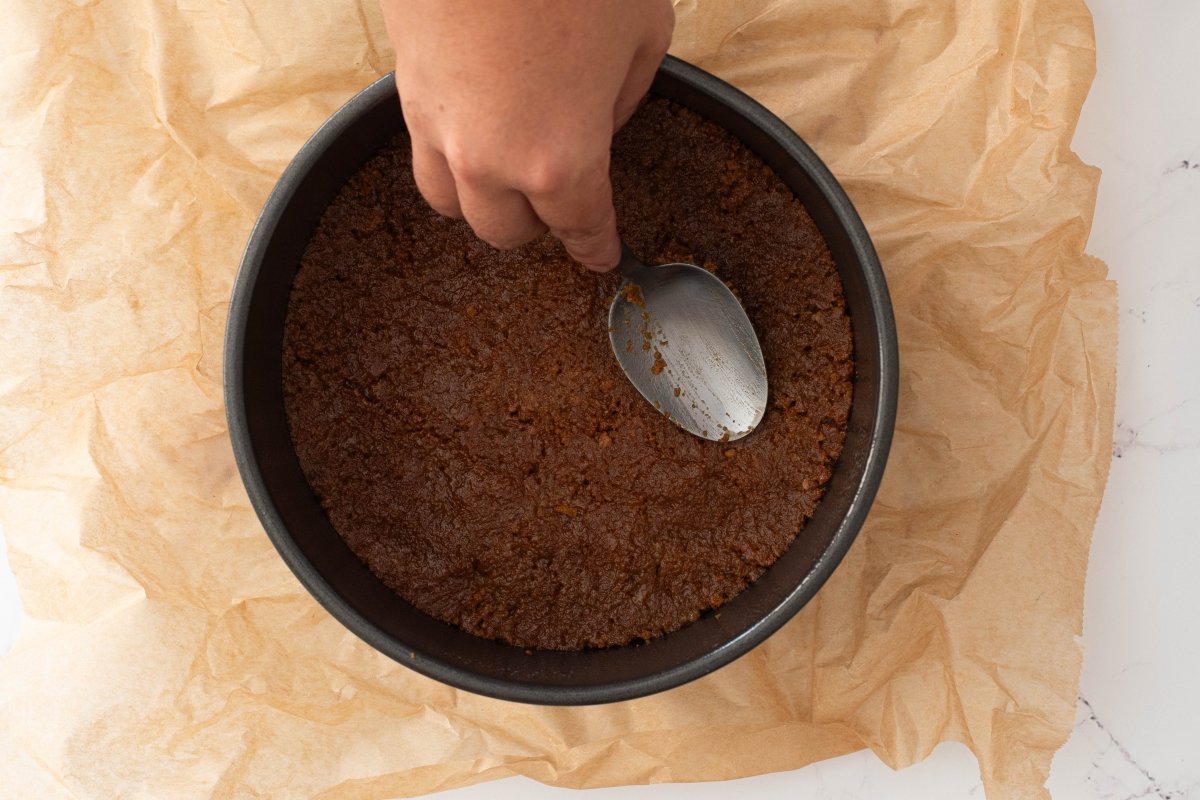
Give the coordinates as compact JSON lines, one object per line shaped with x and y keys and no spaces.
{"x":582,"y":217}
{"x":597,"y":247}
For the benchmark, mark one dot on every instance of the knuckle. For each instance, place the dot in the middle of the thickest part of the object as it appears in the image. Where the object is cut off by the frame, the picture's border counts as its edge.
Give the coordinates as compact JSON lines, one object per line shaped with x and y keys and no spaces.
{"x":587,"y":235}
{"x":466,"y":163}
{"x":586,"y":232}
{"x":550,"y":174}
{"x":548,"y":177}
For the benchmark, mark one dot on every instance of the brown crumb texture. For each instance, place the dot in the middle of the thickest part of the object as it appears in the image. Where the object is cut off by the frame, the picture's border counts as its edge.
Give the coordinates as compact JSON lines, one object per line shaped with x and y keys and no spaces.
{"x":659,"y":364}
{"x":633,"y":294}
{"x":459,"y":412}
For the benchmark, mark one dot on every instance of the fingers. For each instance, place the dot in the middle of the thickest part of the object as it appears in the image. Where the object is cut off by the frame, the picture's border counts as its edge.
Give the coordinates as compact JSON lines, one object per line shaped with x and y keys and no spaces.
{"x":576,"y":207}
{"x":645,"y":64}
{"x":500,"y":216}
{"x":434,"y":179}
{"x":580,"y":213}
{"x":637,"y":83}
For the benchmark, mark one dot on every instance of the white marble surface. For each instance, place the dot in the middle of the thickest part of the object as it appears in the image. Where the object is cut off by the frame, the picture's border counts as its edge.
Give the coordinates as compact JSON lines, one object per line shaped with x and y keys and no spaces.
{"x":1138,"y":726}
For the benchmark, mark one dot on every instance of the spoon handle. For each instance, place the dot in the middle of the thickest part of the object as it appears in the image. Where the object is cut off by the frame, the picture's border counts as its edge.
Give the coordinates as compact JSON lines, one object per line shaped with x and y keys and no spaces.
{"x":631,"y":266}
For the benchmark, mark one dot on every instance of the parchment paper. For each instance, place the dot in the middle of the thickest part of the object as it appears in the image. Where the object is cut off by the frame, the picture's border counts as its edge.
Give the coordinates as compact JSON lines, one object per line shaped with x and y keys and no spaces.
{"x":169,"y":653}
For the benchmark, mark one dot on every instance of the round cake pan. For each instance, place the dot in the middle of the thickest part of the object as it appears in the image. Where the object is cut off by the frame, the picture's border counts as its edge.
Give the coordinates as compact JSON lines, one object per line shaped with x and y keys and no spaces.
{"x":301,"y":532}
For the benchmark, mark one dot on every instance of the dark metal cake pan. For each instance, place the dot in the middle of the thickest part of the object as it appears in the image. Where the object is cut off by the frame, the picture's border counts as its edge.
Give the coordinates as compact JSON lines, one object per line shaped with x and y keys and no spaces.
{"x":301,"y":532}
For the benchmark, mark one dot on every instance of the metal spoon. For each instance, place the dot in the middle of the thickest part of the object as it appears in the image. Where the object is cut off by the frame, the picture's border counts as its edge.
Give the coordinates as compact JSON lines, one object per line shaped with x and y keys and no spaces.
{"x":685,"y":343}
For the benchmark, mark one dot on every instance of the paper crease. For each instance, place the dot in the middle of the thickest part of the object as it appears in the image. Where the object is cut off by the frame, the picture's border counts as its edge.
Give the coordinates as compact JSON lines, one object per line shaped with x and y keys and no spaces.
{"x":167,"y":651}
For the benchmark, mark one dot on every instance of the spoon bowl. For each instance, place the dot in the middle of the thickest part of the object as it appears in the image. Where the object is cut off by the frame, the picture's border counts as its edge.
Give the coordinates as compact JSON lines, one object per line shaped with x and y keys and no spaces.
{"x":685,"y":342}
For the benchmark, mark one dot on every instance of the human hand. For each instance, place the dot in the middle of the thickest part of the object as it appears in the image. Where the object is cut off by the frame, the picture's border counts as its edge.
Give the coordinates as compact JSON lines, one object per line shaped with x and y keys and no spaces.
{"x":512,"y":106}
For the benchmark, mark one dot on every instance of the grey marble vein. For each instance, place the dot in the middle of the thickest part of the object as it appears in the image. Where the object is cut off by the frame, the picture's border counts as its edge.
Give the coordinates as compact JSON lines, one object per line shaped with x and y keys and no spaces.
{"x":1185,"y":165}
{"x":1155,"y":788}
{"x":1127,"y":436}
